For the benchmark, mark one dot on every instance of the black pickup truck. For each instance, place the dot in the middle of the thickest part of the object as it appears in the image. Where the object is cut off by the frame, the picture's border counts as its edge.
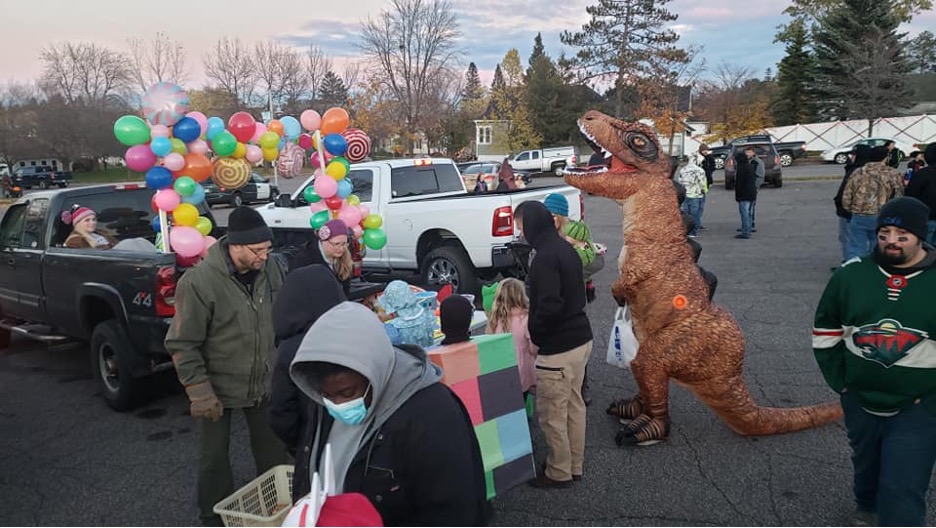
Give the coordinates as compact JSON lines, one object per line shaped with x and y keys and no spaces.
{"x":119,"y":301}
{"x":788,"y":150}
{"x":42,"y":177}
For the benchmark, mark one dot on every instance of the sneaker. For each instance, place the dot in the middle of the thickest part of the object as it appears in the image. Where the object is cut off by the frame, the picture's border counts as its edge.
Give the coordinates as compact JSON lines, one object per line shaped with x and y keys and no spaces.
{"x":752,"y":230}
{"x":544,"y":482}
{"x":742,"y":236}
{"x":692,"y":236}
{"x":701,"y":228}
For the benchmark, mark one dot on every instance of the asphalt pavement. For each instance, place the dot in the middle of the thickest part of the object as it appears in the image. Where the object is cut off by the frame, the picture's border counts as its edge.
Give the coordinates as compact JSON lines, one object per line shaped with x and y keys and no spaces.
{"x":66,"y":459}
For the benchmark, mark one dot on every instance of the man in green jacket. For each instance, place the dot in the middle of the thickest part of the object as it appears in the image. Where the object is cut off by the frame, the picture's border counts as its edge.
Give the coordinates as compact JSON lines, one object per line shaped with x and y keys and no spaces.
{"x":221,"y":340}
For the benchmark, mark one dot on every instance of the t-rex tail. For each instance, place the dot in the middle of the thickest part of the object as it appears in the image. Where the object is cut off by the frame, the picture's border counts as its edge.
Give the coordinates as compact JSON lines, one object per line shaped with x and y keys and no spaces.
{"x":732,"y":402}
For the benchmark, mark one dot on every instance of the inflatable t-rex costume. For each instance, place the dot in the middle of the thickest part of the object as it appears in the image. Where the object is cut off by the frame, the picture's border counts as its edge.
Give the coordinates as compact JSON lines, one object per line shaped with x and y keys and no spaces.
{"x":682,"y":334}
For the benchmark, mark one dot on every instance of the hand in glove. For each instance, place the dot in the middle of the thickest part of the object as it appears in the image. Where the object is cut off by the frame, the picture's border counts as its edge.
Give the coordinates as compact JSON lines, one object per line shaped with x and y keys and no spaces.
{"x":204,"y":403}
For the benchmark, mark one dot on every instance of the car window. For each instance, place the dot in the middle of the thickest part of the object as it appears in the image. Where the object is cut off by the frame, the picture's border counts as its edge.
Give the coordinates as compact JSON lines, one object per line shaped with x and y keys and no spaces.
{"x":34,"y":224}
{"x":363,"y":181}
{"x":535,"y":155}
{"x":256,"y":178}
{"x":419,"y":180}
{"x":472,"y":169}
{"x":523,"y":157}
{"x":121,"y":214}
{"x":11,"y":231}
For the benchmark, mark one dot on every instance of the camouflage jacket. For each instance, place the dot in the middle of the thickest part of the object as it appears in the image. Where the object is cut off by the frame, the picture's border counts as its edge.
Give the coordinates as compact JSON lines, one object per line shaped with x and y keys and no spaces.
{"x":870,"y":187}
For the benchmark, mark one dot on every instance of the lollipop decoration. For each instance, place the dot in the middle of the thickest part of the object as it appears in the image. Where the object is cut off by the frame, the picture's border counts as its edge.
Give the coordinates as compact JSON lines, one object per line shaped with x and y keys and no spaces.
{"x":290,"y":160}
{"x":165,"y":103}
{"x":359,"y":145}
{"x":230,"y":173}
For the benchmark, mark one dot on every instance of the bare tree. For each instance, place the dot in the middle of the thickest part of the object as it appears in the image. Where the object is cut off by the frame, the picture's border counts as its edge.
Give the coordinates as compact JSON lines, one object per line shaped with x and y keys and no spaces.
{"x":351,"y":75}
{"x":317,"y":65}
{"x":83,"y":72}
{"x":229,"y":64}
{"x":295,"y":81}
{"x":160,"y":59}
{"x":411,"y":45}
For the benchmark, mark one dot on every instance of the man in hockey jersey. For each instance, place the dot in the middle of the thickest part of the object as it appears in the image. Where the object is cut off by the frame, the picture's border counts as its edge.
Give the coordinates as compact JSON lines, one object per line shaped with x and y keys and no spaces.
{"x":873,"y":338}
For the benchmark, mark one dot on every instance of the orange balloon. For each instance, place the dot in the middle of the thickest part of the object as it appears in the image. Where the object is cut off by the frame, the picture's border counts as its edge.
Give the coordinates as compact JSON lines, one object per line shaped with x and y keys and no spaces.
{"x":276,"y":126}
{"x":335,"y":121}
{"x":197,"y":167}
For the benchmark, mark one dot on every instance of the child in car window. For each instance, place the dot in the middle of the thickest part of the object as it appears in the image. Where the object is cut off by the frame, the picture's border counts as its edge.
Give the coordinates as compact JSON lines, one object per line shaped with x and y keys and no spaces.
{"x":84,"y":230}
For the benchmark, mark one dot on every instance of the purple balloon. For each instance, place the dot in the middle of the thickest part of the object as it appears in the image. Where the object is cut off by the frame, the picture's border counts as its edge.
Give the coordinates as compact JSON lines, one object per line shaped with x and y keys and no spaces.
{"x":140,"y":158}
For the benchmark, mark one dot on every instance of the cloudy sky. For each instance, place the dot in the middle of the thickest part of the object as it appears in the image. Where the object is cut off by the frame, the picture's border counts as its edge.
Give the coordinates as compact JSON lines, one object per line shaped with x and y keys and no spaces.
{"x":737,"y":31}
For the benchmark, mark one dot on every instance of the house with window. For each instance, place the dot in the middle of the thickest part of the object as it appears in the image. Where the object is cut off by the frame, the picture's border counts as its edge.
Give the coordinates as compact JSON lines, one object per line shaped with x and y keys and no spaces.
{"x":491,"y":139}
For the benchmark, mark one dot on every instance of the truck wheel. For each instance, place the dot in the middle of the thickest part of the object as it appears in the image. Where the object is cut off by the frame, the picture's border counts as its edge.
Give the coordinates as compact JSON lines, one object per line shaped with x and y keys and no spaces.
{"x":236,"y":200}
{"x":786,"y":159}
{"x":109,"y":346}
{"x":43,"y":184}
{"x":450,"y":265}
{"x":557,"y":166}
{"x":63,"y":185}
{"x":719,"y":163}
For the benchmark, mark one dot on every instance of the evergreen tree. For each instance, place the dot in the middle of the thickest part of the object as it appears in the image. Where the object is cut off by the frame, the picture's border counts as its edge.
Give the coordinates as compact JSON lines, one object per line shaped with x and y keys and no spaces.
{"x":333,"y":91}
{"x":473,"y":89}
{"x":922,"y":53}
{"x":538,"y":49}
{"x":498,"y":93}
{"x":860,"y":65}
{"x":795,"y":73}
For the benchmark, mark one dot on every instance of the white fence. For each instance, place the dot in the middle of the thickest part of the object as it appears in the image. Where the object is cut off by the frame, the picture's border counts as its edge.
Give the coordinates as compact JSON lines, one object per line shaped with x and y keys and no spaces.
{"x":920,"y":129}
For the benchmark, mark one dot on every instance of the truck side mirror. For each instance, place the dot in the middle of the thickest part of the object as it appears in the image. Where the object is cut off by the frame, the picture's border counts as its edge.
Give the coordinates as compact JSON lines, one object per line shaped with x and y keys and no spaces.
{"x":284,"y":200}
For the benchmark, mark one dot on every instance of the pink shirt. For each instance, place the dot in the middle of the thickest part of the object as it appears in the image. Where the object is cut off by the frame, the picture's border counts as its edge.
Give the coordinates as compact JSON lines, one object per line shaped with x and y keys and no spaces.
{"x":523,"y":346}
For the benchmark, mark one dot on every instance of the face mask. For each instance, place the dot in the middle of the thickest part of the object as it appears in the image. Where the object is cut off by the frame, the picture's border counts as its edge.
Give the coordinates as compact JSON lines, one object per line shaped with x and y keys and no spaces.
{"x":351,"y":412}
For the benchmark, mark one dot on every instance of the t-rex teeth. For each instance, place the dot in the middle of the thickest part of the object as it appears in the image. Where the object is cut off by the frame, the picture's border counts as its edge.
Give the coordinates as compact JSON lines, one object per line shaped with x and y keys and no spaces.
{"x":607,"y":154}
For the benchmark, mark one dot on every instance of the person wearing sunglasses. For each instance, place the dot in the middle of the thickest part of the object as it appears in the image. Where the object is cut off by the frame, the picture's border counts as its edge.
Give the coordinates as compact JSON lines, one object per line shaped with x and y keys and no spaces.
{"x":331,"y":248}
{"x":222,"y":341}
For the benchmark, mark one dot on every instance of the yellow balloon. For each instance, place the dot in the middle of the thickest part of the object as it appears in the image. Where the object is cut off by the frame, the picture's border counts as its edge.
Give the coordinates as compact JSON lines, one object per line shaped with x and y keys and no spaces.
{"x":354,"y":200}
{"x":203,"y":225}
{"x":270,"y":154}
{"x":185,"y":215}
{"x":240,"y":150}
{"x":336,"y":170}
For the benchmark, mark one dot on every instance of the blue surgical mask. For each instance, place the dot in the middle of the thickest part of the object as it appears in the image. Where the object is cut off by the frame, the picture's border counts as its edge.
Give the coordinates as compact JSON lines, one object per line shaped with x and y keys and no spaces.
{"x":351,"y":412}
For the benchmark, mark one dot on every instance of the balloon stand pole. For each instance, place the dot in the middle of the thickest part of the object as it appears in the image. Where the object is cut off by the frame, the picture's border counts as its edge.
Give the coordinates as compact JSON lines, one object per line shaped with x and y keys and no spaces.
{"x":275,"y":175}
{"x":321,"y":150}
{"x":164,"y":229}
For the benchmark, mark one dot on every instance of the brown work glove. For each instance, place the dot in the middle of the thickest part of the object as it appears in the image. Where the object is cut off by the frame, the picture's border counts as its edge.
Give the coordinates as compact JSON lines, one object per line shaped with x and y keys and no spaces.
{"x":204,"y":402}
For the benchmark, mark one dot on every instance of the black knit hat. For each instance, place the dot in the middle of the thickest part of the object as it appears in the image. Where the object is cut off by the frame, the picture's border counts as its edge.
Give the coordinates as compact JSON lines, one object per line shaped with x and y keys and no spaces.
{"x":246,"y":226}
{"x":906,"y":213}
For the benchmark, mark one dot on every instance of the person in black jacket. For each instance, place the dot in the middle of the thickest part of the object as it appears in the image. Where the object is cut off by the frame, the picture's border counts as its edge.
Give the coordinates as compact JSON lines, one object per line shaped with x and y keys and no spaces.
{"x":307,"y":293}
{"x":923,"y":186}
{"x":708,"y":165}
{"x":331,"y":248}
{"x":559,"y":327}
{"x":858,"y":157}
{"x":398,"y":436}
{"x":745,"y":189}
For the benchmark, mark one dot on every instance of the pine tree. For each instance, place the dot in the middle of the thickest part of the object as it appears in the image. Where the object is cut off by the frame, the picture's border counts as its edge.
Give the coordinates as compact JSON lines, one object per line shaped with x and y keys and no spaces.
{"x":498,"y":93}
{"x":473,"y":89}
{"x":333,"y":91}
{"x":861,"y":68}
{"x":922,"y":53}
{"x":538,"y":49}
{"x":795,"y":99}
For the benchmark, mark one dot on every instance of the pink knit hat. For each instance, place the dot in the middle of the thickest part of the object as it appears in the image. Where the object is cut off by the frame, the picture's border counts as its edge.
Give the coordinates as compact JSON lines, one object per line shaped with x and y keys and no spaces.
{"x":77,"y":214}
{"x":332,"y":229}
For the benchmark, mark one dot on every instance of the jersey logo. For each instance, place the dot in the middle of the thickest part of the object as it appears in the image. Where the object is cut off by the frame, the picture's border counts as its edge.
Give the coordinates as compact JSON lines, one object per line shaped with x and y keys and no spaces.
{"x":887,"y":341}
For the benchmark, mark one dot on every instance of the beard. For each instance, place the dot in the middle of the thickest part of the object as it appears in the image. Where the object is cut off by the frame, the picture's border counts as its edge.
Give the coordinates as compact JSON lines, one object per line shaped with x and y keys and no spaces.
{"x":892,"y":255}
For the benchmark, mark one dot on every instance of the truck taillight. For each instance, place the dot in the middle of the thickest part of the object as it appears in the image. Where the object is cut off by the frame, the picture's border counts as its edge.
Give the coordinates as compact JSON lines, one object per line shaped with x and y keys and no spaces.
{"x":503,"y":222}
{"x":165,"y":291}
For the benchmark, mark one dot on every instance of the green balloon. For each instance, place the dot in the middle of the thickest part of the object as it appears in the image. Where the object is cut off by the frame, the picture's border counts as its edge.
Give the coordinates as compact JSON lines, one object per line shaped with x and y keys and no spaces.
{"x":184,"y":185}
{"x":342,"y":160}
{"x":319,"y":219}
{"x":178,"y":146}
{"x":311,"y":196}
{"x":224,"y":143}
{"x":131,"y":130}
{"x":375,"y":238}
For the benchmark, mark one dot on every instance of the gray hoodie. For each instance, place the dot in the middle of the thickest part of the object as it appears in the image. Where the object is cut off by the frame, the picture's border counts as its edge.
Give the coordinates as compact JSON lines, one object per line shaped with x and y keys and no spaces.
{"x":352,"y":336}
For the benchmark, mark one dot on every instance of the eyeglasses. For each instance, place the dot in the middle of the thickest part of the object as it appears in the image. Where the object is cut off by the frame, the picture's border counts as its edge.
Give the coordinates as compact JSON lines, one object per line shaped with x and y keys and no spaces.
{"x":337,"y":245}
{"x":261,"y":252}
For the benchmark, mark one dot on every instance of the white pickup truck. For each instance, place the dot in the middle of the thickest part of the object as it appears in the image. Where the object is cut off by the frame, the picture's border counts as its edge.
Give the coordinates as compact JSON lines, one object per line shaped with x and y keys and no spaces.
{"x":433,"y":225}
{"x":544,"y":160}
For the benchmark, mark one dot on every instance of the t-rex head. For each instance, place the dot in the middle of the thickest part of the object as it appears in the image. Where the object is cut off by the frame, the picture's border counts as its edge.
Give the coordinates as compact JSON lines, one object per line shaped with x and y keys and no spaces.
{"x":636,"y":158}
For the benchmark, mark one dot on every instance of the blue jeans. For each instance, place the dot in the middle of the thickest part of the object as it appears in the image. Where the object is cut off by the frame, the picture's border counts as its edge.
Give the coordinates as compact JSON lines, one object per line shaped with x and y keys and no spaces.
{"x":893,"y":458}
{"x":862,"y":235}
{"x":754,"y":213}
{"x":702,"y":209}
{"x":693,"y":207}
{"x":746,"y":209}
{"x":843,"y":236}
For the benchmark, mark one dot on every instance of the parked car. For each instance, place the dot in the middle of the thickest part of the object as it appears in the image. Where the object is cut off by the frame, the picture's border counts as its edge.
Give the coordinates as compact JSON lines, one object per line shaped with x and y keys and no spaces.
{"x":789,"y":151}
{"x":433,"y":224}
{"x":489,"y":172}
{"x":840,"y":154}
{"x":119,"y":301}
{"x":544,"y":160}
{"x":40,"y":176}
{"x":763,"y":150}
{"x":258,"y":189}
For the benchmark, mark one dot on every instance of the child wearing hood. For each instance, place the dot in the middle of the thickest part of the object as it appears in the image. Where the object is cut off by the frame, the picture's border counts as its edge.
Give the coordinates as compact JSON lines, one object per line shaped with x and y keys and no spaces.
{"x":692,"y":177}
{"x":398,"y":435}
{"x":412,"y":323}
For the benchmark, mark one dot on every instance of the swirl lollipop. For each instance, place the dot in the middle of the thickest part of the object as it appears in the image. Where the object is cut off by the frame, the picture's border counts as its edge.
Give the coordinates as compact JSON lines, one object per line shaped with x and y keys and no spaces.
{"x":359,"y":144}
{"x":290,"y":160}
{"x":231,"y":173}
{"x":165,"y":103}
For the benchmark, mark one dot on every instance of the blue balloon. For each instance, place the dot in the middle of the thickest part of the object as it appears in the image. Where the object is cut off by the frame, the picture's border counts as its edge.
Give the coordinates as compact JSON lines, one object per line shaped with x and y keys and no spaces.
{"x":161,"y":146}
{"x":155,"y":224}
{"x":291,"y":127}
{"x":345,"y":188}
{"x":158,"y":178}
{"x":215,"y":125}
{"x":197,"y":197}
{"x":335,"y":144}
{"x":282,"y":143}
{"x":186,"y":129}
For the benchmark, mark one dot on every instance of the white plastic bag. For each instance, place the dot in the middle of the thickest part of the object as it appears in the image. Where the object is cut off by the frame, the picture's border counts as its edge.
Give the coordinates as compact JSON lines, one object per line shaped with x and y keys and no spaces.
{"x":622,"y":344}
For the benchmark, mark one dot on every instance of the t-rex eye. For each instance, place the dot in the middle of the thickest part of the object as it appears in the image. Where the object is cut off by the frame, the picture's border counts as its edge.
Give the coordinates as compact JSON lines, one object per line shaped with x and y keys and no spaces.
{"x":642,"y":145}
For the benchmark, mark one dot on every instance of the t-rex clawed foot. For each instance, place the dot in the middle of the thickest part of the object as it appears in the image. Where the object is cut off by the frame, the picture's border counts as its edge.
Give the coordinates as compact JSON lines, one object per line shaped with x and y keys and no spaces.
{"x":626,"y":409}
{"x":643,"y":431}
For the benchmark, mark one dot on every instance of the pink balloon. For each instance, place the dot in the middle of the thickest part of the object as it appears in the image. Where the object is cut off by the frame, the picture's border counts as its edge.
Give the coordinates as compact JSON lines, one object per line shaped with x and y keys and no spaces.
{"x":198,"y":147}
{"x":350,"y":215}
{"x":140,"y":158}
{"x":258,"y":131}
{"x":209,"y":241}
{"x":254,"y":153}
{"x":310,"y":119}
{"x":318,"y":206}
{"x":201,"y":119}
{"x":314,"y":159}
{"x":159,"y":131}
{"x":358,"y":231}
{"x":186,"y":241}
{"x":365,"y":210}
{"x":325,"y":186}
{"x":174,"y":161}
{"x":168,"y":200}
{"x":305,"y":141}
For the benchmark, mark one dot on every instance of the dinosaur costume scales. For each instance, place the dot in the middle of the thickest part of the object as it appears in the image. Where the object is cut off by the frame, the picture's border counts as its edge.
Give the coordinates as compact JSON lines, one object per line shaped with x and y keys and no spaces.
{"x":683,"y":335}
